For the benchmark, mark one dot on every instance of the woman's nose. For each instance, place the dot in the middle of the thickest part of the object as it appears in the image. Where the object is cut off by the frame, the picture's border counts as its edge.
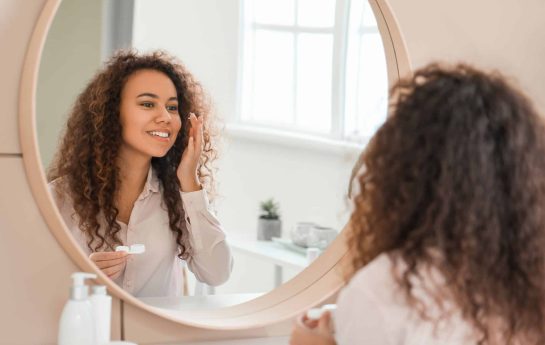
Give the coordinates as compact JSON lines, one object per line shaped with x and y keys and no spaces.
{"x":163,"y":115}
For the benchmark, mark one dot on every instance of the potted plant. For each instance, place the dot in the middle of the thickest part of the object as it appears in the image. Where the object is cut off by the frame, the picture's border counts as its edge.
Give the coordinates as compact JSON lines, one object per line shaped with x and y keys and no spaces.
{"x":269,"y":224}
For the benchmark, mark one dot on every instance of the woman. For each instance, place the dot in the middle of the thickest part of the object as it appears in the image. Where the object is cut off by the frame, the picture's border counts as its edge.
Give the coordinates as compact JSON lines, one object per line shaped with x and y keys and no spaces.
{"x":136,"y":148}
{"x":448,"y":231}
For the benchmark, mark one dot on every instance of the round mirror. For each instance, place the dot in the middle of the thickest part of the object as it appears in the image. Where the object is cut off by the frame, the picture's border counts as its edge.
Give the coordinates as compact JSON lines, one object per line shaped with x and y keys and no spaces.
{"x":298,"y":87}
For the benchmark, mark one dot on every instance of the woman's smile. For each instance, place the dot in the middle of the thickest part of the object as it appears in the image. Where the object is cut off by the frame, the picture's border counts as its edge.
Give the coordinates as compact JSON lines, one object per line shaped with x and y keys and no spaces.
{"x":162,"y":135}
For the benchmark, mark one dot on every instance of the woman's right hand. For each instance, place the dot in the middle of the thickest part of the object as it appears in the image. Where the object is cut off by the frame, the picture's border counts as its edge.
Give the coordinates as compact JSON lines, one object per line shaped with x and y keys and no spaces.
{"x":111,"y":263}
{"x":313,"y":332}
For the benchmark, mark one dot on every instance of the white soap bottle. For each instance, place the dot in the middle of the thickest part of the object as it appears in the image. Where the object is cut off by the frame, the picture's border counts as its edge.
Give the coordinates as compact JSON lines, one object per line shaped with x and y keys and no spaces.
{"x":102,"y":312}
{"x":77,"y":325}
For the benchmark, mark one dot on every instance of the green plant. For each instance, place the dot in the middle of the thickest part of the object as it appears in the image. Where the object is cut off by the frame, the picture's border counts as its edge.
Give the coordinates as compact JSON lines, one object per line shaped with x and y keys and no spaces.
{"x":269,"y":209}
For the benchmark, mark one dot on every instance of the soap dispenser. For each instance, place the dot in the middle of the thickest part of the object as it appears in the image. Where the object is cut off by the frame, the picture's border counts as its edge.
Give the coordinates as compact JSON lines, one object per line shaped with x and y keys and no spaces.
{"x":77,"y":326}
{"x":102,"y":313}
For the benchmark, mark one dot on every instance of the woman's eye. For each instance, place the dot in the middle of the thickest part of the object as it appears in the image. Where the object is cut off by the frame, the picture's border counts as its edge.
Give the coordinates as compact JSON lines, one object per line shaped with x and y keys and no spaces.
{"x":147,"y":104}
{"x":172,"y":108}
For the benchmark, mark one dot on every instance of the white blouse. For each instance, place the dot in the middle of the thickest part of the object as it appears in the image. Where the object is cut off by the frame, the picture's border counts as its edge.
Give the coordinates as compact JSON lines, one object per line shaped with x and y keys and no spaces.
{"x":158,"y":271}
{"x":372,"y":310}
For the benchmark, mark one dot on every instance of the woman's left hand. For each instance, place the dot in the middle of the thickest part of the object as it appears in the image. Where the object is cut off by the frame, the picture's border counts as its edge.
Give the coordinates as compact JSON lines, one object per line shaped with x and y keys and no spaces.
{"x":312,"y":332}
{"x":187,"y":170}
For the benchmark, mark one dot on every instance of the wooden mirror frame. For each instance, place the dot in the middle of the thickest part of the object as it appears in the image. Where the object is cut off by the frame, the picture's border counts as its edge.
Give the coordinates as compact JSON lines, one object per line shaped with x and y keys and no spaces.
{"x":318,"y":282}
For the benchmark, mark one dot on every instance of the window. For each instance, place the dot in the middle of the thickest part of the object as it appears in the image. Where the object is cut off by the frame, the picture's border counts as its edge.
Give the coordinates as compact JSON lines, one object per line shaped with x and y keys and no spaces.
{"x":313,"y":67}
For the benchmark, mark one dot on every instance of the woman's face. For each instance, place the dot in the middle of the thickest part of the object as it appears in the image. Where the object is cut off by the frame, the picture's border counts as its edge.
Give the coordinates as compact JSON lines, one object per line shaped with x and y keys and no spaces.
{"x":149,"y":114}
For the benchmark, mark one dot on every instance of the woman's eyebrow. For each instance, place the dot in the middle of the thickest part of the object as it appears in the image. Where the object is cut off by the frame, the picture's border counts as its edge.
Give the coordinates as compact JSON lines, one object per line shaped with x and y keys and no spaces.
{"x":152,"y":95}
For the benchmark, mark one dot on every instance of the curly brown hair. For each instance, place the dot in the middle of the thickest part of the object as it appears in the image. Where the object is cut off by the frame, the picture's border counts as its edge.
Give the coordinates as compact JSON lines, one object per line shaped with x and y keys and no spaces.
{"x":92,"y":139}
{"x":457,"y":169}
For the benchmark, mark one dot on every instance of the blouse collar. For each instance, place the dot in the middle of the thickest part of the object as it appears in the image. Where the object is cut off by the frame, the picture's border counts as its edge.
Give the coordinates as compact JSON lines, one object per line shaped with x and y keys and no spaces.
{"x":152,"y":183}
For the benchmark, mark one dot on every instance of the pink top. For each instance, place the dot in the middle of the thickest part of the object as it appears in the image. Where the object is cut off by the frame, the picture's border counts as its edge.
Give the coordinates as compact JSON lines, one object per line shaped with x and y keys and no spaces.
{"x":372,"y":309}
{"x":158,"y":271}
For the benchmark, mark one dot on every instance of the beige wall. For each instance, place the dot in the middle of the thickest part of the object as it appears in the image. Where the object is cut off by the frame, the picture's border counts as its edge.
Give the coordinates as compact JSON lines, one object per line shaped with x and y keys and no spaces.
{"x":508,"y":35}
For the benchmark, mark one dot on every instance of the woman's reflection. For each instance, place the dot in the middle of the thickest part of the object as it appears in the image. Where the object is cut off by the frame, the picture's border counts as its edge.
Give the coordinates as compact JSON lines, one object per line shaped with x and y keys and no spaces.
{"x":136,"y":148}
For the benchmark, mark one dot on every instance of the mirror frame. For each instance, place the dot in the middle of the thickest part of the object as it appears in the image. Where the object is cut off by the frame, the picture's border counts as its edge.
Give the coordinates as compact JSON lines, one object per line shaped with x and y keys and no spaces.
{"x":316,"y":283}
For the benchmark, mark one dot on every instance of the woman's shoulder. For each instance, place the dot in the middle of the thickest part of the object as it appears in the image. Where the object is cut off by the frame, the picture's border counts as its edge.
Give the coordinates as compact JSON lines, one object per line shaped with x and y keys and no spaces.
{"x":376,"y":285}
{"x":370,"y":307}
{"x":380,"y":279}
{"x":376,"y":274}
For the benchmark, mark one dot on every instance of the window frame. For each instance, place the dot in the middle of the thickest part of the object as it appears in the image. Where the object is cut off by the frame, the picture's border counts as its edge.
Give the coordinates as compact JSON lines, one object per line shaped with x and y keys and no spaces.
{"x":339,"y":32}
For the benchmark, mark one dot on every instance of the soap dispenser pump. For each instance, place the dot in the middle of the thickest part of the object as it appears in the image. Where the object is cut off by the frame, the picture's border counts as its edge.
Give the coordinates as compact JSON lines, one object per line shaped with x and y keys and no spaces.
{"x":77,"y":325}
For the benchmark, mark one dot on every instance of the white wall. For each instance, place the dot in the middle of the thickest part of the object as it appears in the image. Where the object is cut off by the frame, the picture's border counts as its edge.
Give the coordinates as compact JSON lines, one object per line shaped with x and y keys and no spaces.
{"x":70,"y":57}
{"x":310,"y":184}
{"x":203,"y":34}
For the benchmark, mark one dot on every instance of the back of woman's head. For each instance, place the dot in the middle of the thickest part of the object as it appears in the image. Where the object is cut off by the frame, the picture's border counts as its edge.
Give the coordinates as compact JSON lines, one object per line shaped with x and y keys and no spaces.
{"x":457,"y":169}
